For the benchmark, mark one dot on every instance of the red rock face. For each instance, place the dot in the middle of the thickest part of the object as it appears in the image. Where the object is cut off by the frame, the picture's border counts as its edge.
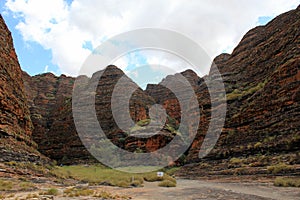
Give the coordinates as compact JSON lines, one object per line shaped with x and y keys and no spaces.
{"x":15,"y":124}
{"x":261,"y":77}
{"x":137,"y":105}
{"x":51,"y":113}
{"x":50,"y":100}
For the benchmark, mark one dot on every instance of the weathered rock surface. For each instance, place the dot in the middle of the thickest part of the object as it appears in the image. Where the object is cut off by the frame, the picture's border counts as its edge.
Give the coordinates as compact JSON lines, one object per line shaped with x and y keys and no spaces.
{"x":15,"y":123}
{"x":49,"y":99}
{"x":113,"y":80}
{"x":261,"y":78}
{"x":120,"y":104}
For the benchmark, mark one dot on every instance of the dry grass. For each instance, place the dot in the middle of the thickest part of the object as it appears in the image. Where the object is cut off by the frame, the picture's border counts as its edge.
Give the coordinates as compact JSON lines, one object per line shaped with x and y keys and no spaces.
{"x":279,"y":168}
{"x":287,"y":182}
{"x":167,"y":183}
{"x":99,"y":175}
{"x":5,"y":185}
{"x":51,"y":191}
{"x":76,"y":192}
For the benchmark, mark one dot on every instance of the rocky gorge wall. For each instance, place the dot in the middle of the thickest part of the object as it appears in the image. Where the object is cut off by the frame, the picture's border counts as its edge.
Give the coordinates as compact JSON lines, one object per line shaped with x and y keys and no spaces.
{"x":261,"y":79}
{"x":15,"y":124}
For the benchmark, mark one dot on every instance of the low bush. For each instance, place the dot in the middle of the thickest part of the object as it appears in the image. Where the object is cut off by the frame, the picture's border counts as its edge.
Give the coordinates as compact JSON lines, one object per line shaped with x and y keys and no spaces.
{"x":26,"y":186}
{"x":167,"y":183}
{"x":235,"y":161}
{"x":279,"y":168}
{"x":136,"y":183}
{"x":152,"y":177}
{"x":287,"y":182}
{"x":32,"y":196}
{"x":107,"y":195}
{"x":51,"y":191}
{"x":77,"y":192}
{"x":5,"y":185}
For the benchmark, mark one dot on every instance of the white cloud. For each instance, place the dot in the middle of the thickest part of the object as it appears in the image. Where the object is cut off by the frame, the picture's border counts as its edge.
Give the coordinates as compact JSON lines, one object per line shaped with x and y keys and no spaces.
{"x":46,"y":68}
{"x":216,"y":25}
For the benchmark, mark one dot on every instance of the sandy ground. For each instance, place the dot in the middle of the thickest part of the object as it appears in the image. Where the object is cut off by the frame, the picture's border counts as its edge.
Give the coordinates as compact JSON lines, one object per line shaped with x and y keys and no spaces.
{"x":199,"y":189}
{"x":196,"y":189}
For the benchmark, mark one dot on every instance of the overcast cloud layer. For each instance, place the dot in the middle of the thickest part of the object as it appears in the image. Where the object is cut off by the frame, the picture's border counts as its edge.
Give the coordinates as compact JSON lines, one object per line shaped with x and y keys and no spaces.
{"x":66,"y":28}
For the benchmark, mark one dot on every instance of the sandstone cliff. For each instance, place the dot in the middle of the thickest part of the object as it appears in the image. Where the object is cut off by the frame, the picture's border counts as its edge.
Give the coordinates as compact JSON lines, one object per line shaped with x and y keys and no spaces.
{"x":49,"y":99}
{"x":15,"y":123}
{"x":262,"y":79}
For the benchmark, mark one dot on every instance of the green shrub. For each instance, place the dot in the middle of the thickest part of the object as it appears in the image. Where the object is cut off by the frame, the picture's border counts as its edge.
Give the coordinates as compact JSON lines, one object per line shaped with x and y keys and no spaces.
{"x":122,"y":140}
{"x":143,"y":122}
{"x":167,"y":183}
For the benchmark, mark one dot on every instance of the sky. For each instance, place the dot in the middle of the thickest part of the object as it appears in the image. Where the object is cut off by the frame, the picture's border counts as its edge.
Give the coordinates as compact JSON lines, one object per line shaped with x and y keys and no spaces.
{"x":58,"y":35}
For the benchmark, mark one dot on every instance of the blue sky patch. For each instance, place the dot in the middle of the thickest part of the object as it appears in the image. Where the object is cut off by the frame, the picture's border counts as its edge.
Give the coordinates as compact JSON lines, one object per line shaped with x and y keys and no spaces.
{"x":263,"y":20}
{"x":88,"y":45}
{"x":145,"y":74}
{"x":32,"y":57}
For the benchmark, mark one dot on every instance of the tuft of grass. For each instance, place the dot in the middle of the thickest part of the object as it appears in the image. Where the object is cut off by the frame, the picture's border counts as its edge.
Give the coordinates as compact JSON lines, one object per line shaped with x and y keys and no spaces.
{"x":152,"y":177}
{"x":287,"y":182}
{"x":38,"y":168}
{"x":26,"y":186}
{"x":237,"y":94}
{"x":143,"y":122}
{"x":171,"y":171}
{"x":2,"y":196}
{"x":104,"y":195}
{"x":170,"y":178}
{"x":32,"y":196}
{"x":83,"y":192}
{"x":5,"y":185}
{"x":107,"y":195}
{"x":51,"y":191}
{"x":235,"y":161}
{"x":136,"y":183}
{"x":258,"y":145}
{"x":279,"y":168}
{"x":124,"y":184}
{"x":167,"y":183}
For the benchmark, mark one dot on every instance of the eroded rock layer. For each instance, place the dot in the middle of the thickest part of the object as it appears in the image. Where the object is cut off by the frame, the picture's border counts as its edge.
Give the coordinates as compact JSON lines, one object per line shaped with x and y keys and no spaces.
{"x":15,"y":123}
{"x":261,"y":78}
